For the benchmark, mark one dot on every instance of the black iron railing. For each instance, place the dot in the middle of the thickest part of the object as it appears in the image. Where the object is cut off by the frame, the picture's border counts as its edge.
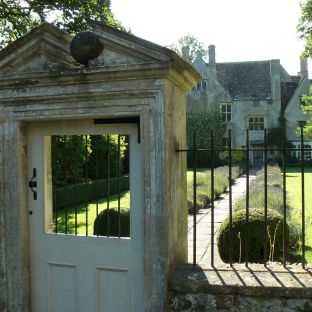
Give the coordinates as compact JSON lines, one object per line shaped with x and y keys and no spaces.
{"x":88,"y":175}
{"x":284,"y":151}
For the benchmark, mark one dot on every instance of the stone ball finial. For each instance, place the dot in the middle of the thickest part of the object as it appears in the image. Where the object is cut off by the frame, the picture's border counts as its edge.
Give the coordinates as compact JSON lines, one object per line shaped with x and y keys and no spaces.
{"x":85,"y":46}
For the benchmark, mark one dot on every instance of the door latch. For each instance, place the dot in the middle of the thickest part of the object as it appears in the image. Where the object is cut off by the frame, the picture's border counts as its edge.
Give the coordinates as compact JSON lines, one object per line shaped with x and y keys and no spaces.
{"x":33,"y":184}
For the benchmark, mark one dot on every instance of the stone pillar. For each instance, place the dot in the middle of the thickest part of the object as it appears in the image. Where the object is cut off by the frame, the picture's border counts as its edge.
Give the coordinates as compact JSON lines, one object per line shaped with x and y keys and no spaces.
{"x":14,"y":245}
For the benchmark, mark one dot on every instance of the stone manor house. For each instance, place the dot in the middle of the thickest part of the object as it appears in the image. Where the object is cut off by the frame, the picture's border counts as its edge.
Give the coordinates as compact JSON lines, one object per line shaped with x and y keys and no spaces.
{"x":251,"y":95}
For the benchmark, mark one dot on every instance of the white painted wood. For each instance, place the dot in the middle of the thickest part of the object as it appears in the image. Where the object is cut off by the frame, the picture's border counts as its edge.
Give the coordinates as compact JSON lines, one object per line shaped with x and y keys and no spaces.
{"x":79,"y":273}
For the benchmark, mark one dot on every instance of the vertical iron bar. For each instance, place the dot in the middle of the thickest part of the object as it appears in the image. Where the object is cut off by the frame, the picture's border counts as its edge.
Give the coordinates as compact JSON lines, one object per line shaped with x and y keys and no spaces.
{"x":76,"y":181}
{"x":230,"y":199}
{"x":65,"y":183}
{"x":86,"y":179}
{"x":284,"y":198}
{"x":302,"y":198}
{"x":265,"y":253}
{"x":194,"y":196}
{"x":97,"y":172}
{"x":212,"y":198}
{"x":54,"y":152}
{"x":247,"y":199}
{"x":107,"y":183}
{"x":118,"y":184}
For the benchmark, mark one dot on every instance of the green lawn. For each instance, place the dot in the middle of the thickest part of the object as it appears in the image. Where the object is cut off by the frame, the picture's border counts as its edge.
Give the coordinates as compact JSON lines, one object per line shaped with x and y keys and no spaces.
{"x":203,"y":192}
{"x":293,"y":187}
{"x":81,"y":214}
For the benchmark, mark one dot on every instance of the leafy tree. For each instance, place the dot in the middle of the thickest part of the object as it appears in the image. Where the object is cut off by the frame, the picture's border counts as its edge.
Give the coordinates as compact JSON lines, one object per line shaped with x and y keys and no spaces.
{"x":18,"y":17}
{"x":205,"y":123}
{"x":68,"y":158}
{"x":306,"y":106}
{"x":76,"y":158}
{"x":100,"y":149}
{"x":305,"y":26}
{"x":195,"y":46}
{"x":277,"y":136}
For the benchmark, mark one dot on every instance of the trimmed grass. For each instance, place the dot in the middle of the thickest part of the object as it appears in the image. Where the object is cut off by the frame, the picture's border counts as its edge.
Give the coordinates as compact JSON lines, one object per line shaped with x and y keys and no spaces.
{"x":92,"y":211}
{"x":293,"y":186}
{"x":203,"y":200}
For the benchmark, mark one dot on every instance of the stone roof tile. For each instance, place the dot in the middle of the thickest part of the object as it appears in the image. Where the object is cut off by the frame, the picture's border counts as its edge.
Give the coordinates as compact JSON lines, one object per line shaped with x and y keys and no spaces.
{"x":246,"y":80}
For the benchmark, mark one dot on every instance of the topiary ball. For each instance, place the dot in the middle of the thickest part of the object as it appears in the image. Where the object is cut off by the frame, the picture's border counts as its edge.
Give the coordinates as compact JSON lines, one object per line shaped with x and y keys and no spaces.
{"x":101,"y":227}
{"x":256,"y":236}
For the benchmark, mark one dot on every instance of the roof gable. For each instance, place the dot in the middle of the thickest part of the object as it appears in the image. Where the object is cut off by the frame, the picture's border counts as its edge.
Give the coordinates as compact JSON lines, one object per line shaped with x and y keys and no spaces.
{"x":294,"y":98}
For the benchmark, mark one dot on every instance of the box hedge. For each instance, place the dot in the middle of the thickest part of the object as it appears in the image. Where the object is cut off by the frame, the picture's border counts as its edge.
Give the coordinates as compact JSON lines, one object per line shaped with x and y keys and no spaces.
{"x":256,"y":235}
{"x":107,"y":223}
{"x":81,"y":193}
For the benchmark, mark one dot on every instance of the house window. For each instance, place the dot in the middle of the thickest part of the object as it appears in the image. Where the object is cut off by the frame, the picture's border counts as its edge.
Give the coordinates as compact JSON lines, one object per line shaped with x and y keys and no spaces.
{"x":255,"y":123}
{"x":297,"y":152}
{"x":225,"y":143}
{"x":226,"y":111}
{"x":201,"y":86}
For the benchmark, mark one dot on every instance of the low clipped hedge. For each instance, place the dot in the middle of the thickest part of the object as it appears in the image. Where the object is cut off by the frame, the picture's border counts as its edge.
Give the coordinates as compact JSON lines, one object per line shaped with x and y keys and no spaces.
{"x":102,"y":228}
{"x":256,"y":235}
{"x":81,"y":193}
{"x":203,"y":185}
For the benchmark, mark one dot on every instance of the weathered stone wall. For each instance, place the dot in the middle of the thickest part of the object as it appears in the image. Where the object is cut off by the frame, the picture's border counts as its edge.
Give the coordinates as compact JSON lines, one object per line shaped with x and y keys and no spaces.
{"x":240,"y":289}
{"x":236,"y":303}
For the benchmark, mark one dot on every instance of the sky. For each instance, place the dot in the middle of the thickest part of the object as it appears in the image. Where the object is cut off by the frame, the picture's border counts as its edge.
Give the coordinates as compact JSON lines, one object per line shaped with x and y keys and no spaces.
{"x":241,"y":30}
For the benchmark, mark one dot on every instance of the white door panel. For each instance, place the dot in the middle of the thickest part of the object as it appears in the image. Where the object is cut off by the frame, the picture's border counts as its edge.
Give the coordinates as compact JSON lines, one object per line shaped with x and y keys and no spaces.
{"x":83,"y":273}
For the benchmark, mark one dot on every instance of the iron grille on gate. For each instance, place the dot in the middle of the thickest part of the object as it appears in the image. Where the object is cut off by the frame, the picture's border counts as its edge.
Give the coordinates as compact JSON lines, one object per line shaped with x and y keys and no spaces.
{"x":88,"y":173}
{"x":283,"y":151}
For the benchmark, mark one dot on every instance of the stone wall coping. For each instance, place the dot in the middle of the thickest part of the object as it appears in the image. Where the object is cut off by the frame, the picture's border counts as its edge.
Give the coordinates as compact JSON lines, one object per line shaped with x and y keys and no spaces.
{"x":273,"y":281}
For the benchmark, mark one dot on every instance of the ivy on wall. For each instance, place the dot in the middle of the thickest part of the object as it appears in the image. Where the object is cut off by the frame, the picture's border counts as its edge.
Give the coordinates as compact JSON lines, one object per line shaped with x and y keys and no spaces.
{"x":205,"y":123}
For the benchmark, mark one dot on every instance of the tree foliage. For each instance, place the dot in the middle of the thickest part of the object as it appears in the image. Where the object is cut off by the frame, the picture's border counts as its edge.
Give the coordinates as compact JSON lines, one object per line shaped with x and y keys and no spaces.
{"x":78,"y":158}
{"x":18,"y":17}
{"x":195,"y":47}
{"x":306,"y":106}
{"x":277,"y":135}
{"x":305,"y":26}
{"x":205,"y":123}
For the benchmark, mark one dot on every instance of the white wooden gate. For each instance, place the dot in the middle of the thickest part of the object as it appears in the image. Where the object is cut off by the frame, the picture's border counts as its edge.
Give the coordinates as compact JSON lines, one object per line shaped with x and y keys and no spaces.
{"x":78,"y":273}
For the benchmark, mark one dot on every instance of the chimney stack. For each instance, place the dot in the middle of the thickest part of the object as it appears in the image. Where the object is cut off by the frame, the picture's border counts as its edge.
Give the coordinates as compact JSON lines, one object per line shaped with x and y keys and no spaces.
{"x":304,"y":67}
{"x":212,"y":54}
{"x":186,"y":53}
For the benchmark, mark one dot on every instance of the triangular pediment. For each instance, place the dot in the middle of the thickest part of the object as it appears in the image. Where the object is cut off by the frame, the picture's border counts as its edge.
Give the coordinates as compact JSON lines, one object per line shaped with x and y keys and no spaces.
{"x":122,"y":48}
{"x":44,"y":49}
{"x":47,"y":48}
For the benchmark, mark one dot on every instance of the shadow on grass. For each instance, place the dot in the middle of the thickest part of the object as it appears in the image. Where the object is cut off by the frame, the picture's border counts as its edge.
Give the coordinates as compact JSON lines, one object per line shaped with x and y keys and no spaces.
{"x":80,"y":219}
{"x":298,"y":169}
{"x":298,"y":257}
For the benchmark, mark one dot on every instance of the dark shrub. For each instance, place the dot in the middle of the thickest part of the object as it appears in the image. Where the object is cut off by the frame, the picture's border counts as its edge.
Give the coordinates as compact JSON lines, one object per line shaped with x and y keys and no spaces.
{"x":101,"y":223}
{"x":81,"y":193}
{"x":256,"y":235}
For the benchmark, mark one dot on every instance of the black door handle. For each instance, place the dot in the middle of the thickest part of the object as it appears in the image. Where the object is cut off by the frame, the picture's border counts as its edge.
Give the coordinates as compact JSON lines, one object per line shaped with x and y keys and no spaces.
{"x":33,"y":184}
